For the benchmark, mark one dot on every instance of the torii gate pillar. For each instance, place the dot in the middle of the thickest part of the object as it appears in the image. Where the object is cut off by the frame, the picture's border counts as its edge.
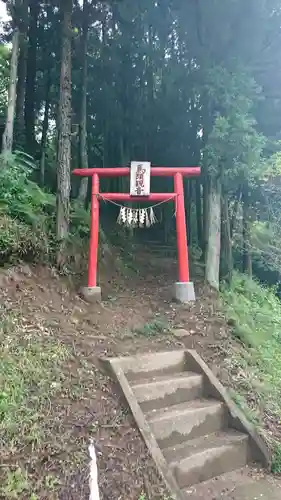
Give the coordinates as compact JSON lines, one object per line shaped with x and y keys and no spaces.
{"x":184,"y":288}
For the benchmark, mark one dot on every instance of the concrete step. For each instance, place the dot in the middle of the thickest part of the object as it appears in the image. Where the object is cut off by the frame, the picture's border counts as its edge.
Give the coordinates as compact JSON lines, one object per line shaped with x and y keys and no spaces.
{"x":201,"y":444}
{"x":190,"y":425}
{"x":177,"y":424}
{"x":137,"y":368}
{"x":241,"y":484}
{"x":167,"y":390}
{"x":209,"y":456}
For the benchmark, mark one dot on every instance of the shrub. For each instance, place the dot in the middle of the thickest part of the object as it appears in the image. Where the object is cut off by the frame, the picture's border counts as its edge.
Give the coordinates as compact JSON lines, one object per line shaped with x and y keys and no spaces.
{"x":26,"y":211}
{"x":21,"y":198}
{"x":27,"y":215}
{"x":20,"y":241}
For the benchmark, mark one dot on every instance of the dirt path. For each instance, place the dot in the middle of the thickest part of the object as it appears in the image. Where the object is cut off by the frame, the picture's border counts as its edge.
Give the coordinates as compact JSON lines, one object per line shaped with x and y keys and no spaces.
{"x":128,"y":320}
{"x":84,"y":403}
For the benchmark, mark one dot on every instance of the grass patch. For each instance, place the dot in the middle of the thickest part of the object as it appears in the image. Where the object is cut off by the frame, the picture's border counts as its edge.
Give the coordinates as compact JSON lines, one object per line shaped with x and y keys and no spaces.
{"x":33,"y":386}
{"x":30,"y":375}
{"x":249,"y":413}
{"x":143,"y":496}
{"x":276,"y":463}
{"x":253,"y":310}
{"x":153,"y":328}
{"x":255,"y":314}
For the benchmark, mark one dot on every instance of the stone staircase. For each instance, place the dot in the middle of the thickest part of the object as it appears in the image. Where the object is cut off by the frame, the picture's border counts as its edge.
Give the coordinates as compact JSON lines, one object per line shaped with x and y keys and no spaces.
{"x":193,"y":430}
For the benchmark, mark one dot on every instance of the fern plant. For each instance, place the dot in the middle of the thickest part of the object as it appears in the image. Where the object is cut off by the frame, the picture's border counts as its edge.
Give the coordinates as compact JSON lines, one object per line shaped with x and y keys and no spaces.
{"x":20,"y":197}
{"x":26,"y":211}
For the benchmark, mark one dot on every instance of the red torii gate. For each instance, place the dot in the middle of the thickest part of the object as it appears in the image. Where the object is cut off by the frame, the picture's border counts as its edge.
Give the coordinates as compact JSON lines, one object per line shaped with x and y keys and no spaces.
{"x":184,"y":289}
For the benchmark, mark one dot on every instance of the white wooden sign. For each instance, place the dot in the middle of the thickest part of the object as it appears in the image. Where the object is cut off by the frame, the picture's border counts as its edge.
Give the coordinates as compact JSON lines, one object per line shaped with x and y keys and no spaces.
{"x":140,"y":178}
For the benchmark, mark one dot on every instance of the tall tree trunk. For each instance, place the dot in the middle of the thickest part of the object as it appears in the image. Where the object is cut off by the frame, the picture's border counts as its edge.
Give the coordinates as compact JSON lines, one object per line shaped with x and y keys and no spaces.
{"x":207,"y":124}
{"x":247,"y":257}
{"x":235,"y":212}
{"x":83,"y":152}
{"x":214,"y":235}
{"x":22,"y":71}
{"x":226,"y":261}
{"x":199,"y":213}
{"x":34,"y":6}
{"x":45,"y":130}
{"x":8,"y":135}
{"x":105,"y":125}
{"x":188,"y":204}
{"x":64,"y":141}
{"x":150,"y":95}
{"x":206,"y":215}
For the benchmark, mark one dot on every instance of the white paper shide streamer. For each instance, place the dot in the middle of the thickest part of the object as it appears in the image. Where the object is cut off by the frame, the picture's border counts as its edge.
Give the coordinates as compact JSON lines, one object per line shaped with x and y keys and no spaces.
{"x":136,"y":217}
{"x":93,"y":480}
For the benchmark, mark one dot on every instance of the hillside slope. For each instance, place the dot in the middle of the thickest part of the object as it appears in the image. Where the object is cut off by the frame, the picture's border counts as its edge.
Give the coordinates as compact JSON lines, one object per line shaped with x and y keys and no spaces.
{"x":55,"y":398}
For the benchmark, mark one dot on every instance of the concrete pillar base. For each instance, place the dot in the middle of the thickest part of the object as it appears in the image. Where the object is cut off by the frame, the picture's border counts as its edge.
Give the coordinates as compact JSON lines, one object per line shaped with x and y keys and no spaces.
{"x":184,"y":292}
{"x":91,"y":294}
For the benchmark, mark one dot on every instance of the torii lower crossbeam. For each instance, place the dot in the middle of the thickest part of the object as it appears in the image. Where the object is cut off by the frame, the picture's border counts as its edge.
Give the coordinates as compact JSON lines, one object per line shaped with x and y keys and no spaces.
{"x":184,"y":289}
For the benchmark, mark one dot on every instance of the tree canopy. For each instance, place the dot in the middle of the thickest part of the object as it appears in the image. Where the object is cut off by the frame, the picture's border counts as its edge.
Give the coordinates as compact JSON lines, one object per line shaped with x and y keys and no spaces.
{"x":100,"y":83}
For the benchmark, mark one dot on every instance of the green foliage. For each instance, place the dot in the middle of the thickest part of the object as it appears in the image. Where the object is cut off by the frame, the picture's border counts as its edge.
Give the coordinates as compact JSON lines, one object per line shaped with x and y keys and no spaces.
{"x":276,"y":460}
{"x":20,"y":241}
{"x":4,"y":79}
{"x":144,"y":497}
{"x":155,"y":327}
{"x":21,"y":198}
{"x":241,"y":401}
{"x":27,"y":363}
{"x":27,"y":214}
{"x":265,"y":232}
{"x":254,"y":311}
{"x":26,"y":211}
{"x":186,"y":82}
{"x":80,"y":220}
{"x":212,"y":71}
{"x":16,"y":484}
{"x":234,"y":146}
{"x":266,"y":250}
{"x":273,"y":165}
{"x":255,"y":367}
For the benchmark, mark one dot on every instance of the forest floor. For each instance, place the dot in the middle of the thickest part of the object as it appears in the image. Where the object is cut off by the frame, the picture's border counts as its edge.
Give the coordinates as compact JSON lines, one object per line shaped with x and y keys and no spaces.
{"x":55,"y":397}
